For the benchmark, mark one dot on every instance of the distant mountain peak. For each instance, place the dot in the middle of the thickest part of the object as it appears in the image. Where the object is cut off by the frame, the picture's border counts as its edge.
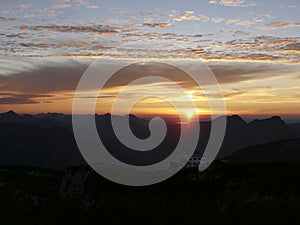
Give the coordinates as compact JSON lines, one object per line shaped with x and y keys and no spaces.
{"x":274,"y":119}
{"x":132,"y":116}
{"x":10,"y":113}
{"x":236,"y":118}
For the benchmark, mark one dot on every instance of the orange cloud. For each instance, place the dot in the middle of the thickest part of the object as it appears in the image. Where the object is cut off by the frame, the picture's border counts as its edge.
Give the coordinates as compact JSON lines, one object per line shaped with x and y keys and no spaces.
{"x":232,"y":2}
{"x":25,"y":6}
{"x":92,"y":7}
{"x":157,"y":25}
{"x":61,"y":6}
{"x":187,"y":15}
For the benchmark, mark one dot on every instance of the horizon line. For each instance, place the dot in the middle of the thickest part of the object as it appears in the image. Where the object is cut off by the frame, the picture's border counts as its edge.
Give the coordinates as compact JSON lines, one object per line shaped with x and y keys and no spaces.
{"x":145,"y":115}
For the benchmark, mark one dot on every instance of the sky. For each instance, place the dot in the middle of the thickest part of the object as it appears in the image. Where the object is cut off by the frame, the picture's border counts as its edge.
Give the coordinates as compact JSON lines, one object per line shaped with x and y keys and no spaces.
{"x":252,"y":47}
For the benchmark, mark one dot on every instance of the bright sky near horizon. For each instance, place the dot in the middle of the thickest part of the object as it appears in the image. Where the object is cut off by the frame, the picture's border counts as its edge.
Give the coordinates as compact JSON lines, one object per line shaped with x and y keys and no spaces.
{"x":253,"y":48}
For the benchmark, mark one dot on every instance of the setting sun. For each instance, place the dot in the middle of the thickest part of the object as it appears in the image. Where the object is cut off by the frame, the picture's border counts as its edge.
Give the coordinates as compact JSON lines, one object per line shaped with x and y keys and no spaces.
{"x":190,"y":113}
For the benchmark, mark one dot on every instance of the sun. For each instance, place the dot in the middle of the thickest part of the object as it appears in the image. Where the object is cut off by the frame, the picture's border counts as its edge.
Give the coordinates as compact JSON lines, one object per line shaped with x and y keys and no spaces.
{"x":189,"y":113}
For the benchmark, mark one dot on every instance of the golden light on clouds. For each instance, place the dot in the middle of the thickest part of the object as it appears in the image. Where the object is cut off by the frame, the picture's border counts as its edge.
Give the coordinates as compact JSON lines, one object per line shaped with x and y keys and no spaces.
{"x":248,"y":88}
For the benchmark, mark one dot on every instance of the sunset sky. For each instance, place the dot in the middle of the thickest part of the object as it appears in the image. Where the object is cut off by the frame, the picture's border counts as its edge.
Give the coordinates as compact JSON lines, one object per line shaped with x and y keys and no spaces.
{"x":252,"y":47}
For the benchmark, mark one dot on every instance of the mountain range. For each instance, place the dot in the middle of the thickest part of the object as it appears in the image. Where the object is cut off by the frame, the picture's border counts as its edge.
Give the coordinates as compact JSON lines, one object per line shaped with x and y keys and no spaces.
{"x":47,"y":140}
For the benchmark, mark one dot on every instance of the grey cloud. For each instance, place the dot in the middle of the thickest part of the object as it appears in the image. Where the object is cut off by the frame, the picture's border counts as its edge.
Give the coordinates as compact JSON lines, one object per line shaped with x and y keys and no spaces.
{"x":280,"y":25}
{"x":18,"y":35}
{"x":44,"y":79}
{"x":294,"y":46}
{"x":3,"y":19}
{"x":238,"y":72}
{"x":95,"y":29}
{"x":242,"y":49}
{"x":12,"y":98}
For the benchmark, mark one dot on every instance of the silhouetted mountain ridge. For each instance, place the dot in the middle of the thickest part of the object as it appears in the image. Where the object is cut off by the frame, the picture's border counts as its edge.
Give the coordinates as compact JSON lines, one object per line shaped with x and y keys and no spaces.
{"x":240,"y":134}
{"x":47,"y":139}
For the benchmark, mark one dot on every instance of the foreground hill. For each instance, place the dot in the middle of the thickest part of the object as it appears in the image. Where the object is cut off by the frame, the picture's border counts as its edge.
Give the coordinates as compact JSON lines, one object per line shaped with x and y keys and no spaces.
{"x":295,"y":127}
{"x":33,"y":145}
{"x":223,"y":194}
{"x":279,"y":151}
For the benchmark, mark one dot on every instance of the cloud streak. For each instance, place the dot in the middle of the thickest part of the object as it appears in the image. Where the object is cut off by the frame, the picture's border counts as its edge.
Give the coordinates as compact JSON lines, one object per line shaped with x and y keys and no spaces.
{"x":187,"y":15}
{"x":279,"y":25}
{"x":45,"y":79}
{"x":233,"y":3}
{"x":4,"y":19}
{"x":18,"y":99}
{"x":61,"y":6}
{"x":157,"y":25}
{"x":96,"y":29}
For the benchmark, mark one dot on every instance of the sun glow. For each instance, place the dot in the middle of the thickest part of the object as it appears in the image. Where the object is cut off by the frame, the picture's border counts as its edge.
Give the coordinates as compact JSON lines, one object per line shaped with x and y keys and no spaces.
{"x":190,"y":113}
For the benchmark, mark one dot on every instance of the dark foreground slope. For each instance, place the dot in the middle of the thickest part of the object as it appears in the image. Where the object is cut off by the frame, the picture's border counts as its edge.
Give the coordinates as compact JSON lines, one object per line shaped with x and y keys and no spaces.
{"x":34,"y":145}
{"x":223,"y":194}
{"x":278,"y":151}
